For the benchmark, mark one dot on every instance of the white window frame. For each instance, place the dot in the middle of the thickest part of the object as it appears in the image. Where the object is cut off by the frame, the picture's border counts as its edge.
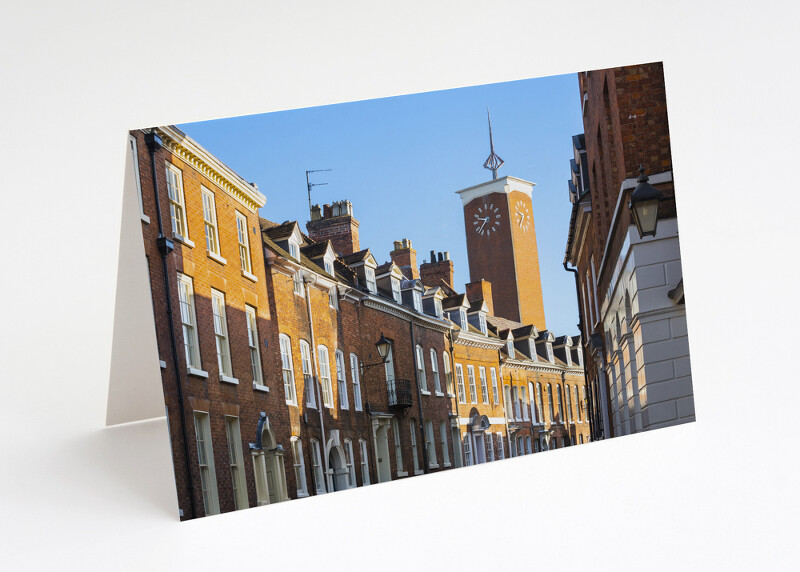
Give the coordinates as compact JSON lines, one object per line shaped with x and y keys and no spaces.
{"x":540,"y":403}
{"x":308,"y":376}
{"x":515,"y":401}
{"x":350,"y":462}
{"x":333,"y":297}
{"x":221,"y":337}
{"x":473,"y":390}
{"x":341,"y":381}
{"x":325,"y":376}
{"x":490,"y":447}
{"x":550,"y":357}
{"x":177,"y":204}
{"x":550,"y":404}
{"x":369,"y":275}
{"x":189,"y":322}
{"x":294,"y":249}
{"x":568,"y":395}
{"x":484,"y":386}
{"x":317,"y":470}
{"x":437,"y":308}
{"x":299,"y":467}
{"x":398,"y":447}
{"x":448,"y":374}
{"x":396,"y":294}
{"x":482,"y":322}
{"x":205,"y":461}
{"x":362,"y":445}
{"x":297,"y":283}
{"x":467,"y":450}
{"x":559,"y":393}
{"x":210,"y":225}
{"x":414,"y":455}
{"x":462,"y":397}
{"x":287,"y":370}
{"x":501,"y":448}
{"x":420,"y":363}
{"x":243,"y":237}
{"x":462,"y":313}
{"x":509,"y":405}
{"x":431,"y":444}
{"x":495,"y":396}
{"x":235,"y":455}
{"x":251,"y":315}
{"x":416,"y":295}
{"x":437,"y":384}
{"x":510,"y":348}
{"x":132,"y":146}
{"x":445,"y":450}
{"x":355,"y":374}
{"x":523,"y":397}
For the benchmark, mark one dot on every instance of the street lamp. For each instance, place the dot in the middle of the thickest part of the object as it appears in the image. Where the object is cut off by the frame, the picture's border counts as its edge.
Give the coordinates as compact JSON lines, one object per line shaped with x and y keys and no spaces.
{"x":384,"y":346}
{"x":644,"y":205}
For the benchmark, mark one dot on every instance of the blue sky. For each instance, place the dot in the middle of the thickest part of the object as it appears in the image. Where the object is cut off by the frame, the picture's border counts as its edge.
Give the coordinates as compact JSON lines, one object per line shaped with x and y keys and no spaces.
{"x":399,"y":160}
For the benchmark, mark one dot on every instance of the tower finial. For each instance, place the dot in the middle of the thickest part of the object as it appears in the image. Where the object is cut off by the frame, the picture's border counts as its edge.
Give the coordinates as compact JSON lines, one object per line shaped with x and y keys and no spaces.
{"x":493,"y":162}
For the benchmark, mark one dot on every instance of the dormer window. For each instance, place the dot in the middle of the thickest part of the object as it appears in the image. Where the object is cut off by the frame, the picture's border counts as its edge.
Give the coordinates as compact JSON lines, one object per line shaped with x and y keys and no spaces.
{"x":294,"y":250}
{"x":532,"y":350}
{"x":482,"y":321}
{"x":398,"y":297}
{"x":568,"y":353}
{"x":417,"y":300}
{"x":369,"y":273}
{"x":550,"y":356}
{"x":580,"y":357}
{"x":329,"y":266}
{"x":510,"y":348}
{"x":437,"y":305}
{"x":463,"y":315}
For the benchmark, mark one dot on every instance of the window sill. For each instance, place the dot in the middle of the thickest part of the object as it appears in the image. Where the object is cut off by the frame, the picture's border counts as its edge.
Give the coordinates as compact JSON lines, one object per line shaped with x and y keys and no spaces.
{"x":402,"y":474}
{"x":424,"y":392}
{"x":162,"y":364}
{"x":226,"y":379}
{"x":216,"y":257}
{"x":302,"y":495}
{"x":446,"y":465}
{"x":450,"y":394}
{"x":344,"y":407}
{"x":434,"y":466}
{"x":418,"y":472}
{"x":249,"y":276}
{"x":259,"y":387}
{"x":145,"y":218}
{"x":183,"y":239}
{"x":439,"y":394}
{"x":197,"y":372}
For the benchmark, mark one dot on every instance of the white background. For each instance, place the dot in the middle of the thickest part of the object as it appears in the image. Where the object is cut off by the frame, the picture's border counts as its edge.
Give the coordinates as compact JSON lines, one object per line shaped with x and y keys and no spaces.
{"x":717,"y":494}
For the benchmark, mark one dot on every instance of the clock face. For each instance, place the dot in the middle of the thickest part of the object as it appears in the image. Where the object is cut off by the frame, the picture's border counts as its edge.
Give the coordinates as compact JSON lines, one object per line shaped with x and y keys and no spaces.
{"x":522,"y":215}
{"x":486,"y":220}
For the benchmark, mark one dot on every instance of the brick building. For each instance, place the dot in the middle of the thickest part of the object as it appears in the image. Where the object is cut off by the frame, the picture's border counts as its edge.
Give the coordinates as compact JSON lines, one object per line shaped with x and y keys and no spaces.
{"x":267,"y":334}
{"x":629,"y":287}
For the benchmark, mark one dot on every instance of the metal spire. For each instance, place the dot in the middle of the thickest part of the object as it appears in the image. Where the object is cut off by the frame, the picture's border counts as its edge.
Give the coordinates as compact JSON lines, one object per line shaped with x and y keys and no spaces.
{"x":493,"y":162}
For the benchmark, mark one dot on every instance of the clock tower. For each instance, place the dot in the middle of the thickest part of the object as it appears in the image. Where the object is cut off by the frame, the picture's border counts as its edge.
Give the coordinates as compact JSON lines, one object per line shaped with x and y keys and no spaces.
{"x":501,"y":246}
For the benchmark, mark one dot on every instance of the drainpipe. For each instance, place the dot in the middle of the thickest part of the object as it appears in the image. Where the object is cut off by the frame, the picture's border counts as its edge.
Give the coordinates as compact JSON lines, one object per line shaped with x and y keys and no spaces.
{"x":505,"y":409}
{"x":455,"y":389}
{"x":165,"y":247}
{"x":306,"y":285}
{"x":587,"y":334}
{"x":426,"y":469}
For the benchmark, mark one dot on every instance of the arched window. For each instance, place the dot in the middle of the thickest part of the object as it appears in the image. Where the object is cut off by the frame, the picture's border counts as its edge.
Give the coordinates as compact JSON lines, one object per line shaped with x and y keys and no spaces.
{"x":515,"y":399}
{"x":448,"y":373}
{"x":325,"y":376}
{"x":316,"y":460}
{"x":308,"y":382}
{"x":540,"y":417}
{"x":560,"y":404}
{"x":523,"y":397}
{"x":423,"y":383}
{"x":535,"y":412}
{"x":437,"y":386}
{"x":550,"y":402}
{"x":569,"y":404}
{"x":341,"y":380}
{"x":289,"y":389}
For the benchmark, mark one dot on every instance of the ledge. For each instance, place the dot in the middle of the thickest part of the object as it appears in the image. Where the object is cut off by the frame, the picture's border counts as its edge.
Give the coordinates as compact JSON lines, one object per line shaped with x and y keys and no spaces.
{"x":216,"y":257}
{"x":183,"y":240}
{"x":259,"y":387}
{"x":249,"y":276}
{"x":145,"y":218}
{"x":197,"y":372}
{"x":439,"y":394}
{"x":162,"y":363}
{"x":402,"y":473}
{"x":226,"y":379}
{"x":424,"y":392}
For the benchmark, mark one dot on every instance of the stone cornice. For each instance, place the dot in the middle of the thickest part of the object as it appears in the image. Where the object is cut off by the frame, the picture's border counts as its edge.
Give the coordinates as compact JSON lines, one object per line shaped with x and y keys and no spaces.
{"x":191,"y":153}
{"x":470,"y":340}
{"x":541,"y":367}
{"x":407,"y":315}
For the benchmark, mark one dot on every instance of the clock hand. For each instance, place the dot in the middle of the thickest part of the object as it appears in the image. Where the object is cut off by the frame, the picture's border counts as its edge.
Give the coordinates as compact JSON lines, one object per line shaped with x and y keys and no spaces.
{"x":485,"y":220}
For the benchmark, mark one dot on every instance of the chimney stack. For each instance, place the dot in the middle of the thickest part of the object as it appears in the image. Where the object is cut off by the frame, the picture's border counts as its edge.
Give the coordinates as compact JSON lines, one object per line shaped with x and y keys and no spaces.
{"x":405,"y":257}
{"x":481,"y":289}
{"x":433,"y":272}
{"x":335,"y":223}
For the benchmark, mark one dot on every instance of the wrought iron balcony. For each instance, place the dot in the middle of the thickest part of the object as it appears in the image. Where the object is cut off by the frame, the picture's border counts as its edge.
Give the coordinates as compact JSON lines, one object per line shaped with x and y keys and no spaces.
{"x":399,"y":392}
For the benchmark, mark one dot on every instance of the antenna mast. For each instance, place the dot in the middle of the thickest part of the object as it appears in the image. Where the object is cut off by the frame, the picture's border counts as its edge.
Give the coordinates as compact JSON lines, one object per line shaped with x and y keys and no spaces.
{"x":493,"y":162}
{"x":309,"y":184}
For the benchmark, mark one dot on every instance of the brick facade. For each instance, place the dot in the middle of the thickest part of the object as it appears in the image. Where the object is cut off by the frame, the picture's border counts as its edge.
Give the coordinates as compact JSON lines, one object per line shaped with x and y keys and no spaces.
{"x":282,"y":403}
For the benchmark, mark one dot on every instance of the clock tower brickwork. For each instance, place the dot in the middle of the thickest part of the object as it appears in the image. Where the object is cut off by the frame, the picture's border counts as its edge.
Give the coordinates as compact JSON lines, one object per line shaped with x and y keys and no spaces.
{"x":501,"y":247}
